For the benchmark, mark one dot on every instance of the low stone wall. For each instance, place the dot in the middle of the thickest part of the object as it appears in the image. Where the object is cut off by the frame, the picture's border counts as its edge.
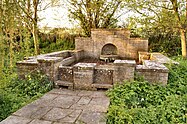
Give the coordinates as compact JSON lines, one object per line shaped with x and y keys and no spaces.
{"x":124,"y":70}
{"x":103,"y":74}
{"x":48,"y":63}
{"x":25,"y":67}
{"x":153,"y":72}
{"x":84,"y":76}
{"x":60,"y":68}
{"x":66,"y":73}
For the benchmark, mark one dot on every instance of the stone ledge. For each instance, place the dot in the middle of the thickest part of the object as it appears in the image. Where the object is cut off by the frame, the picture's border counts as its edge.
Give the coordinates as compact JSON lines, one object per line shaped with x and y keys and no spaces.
{"x":50,"y":59}
{"x":162,"y":59}
{"x":102,"y":86}
{"x":125,"y":63}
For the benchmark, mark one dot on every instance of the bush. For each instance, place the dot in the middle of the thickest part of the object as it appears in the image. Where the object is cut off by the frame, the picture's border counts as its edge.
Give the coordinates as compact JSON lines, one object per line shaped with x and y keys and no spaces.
{"x":19,"y":92}
{"x":140,"y":102}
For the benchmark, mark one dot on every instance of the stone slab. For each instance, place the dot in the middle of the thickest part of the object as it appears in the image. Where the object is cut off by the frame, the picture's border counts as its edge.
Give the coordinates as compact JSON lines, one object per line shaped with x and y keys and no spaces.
{"x":89,"y":117}
{"x":37,"y":121}
{"x":15,"y":120}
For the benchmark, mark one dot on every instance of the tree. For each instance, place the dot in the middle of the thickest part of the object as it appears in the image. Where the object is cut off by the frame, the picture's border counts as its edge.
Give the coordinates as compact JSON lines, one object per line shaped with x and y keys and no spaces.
{"x":94,"y":13}
{"x":30,"y":9}
{"x":8,"y":26}
{"x":172,"y":14}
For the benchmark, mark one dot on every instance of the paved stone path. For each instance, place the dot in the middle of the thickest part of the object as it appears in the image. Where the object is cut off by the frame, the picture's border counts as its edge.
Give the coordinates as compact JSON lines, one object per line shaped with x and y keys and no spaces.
{"x":62,"y":106}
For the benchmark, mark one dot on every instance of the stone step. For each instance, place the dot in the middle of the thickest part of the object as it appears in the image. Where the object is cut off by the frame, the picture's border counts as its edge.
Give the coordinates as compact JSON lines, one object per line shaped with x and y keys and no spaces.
{"x":69,"y":85}
{"x":102,"y":86}
{"x":65,"y":84}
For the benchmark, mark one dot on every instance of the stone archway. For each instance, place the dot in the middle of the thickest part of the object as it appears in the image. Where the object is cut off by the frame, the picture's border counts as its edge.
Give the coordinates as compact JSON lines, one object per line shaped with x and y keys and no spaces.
{"x":109,"y":49}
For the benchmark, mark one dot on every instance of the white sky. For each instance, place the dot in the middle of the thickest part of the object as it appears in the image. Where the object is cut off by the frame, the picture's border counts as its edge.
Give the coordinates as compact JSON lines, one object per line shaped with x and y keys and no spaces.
{"x":55,"y":16}
{"x":58,"y":17}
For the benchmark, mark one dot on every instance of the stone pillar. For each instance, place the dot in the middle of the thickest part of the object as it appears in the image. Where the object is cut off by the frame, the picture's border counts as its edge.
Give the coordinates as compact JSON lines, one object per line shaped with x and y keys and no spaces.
{"x":83,"y":76}
{"x":123,"y":70}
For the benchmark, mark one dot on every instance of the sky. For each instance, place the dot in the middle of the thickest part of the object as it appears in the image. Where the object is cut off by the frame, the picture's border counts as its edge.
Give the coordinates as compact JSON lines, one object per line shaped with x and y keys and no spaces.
{"x":57,"y":16}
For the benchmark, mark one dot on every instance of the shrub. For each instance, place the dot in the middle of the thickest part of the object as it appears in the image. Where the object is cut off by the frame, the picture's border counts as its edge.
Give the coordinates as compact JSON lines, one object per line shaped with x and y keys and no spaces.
{"x":20,"y":92}
{"x":140,"y":102}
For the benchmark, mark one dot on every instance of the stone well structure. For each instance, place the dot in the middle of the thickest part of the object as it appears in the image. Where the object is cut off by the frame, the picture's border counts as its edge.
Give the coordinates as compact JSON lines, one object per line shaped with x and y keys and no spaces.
{"x":111,"y":42}
{"x":125,"y":56}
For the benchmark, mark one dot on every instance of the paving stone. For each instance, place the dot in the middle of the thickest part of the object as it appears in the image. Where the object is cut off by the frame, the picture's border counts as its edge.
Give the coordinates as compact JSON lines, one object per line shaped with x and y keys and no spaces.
{"x":36,"y":121}
{"x":62,"y":123}
{"x":89,"y":117}
{"x":56,"y":114}
{"x":98,"y":105}
{"x":62,"y":115}
{"x":85,"y":93}
{"x":64,"y":92}
{"x":15,"y":120}
{"x":26,"y":111}
{"x":84,"y":100}
{"x":45,"y":100}
{"x":71,"y":118}
{"x":40,"y":112}
{"x":82,"y":103}
{"x":82,"y":107}
{"x":64,"y":101}
{"x":99,"y":94}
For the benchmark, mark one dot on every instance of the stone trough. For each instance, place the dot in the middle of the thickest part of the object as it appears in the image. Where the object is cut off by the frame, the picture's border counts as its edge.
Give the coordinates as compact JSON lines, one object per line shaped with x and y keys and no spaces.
{"x":68,"y":68}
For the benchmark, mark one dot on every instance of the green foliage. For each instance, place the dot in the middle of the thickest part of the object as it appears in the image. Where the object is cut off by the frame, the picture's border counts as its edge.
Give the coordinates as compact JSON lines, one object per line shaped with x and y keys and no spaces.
{"x":18,"y":93}
{"x":59,"y":45}
{"x":140,"y":102}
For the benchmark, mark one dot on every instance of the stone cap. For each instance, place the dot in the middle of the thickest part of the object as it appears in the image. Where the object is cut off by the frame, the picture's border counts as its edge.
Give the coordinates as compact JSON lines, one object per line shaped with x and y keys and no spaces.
{"x":28,"y":62}
{"x":125,"y":62}
{"x":105,"y":67}
{"x":85,"y":65}
{"x":50,"y":59}
{"x":162,"y":59}
{"x":152,"y":66}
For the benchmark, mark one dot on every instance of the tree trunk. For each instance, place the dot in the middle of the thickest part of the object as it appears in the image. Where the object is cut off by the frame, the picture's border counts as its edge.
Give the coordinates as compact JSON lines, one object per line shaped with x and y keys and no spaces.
{"x":11,"y":50}
{"x":35,"y":37}
{"x":183,"y":42}
{"x":35,"y":29}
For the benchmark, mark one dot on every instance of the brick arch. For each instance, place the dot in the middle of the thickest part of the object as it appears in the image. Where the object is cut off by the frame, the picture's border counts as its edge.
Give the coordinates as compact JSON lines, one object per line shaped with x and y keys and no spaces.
{"x":109,"y":49}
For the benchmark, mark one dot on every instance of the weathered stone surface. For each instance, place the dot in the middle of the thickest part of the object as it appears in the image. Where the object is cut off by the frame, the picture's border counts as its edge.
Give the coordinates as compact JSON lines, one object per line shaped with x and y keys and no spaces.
{"x":15,"y":120}
{"x":45,"y":100}
{"x":162,"y":59}
{"x":153,"y":71}
{"x":27,"y":111}
{"x":98,"y":104}
{"x":103,"y":75}
{"x":62,"y":115}
{"x":64,"y":107}
{"x":64,"y":101}
{"x":83,"y":75}
{"x":37,"y":121}
{"x":64,"y":92}
{"x":82,"y":103}
{"x":40,"y":112}
{"x":89,"y":117}
{"x":65,"y":73}
{"x":119,"y":38}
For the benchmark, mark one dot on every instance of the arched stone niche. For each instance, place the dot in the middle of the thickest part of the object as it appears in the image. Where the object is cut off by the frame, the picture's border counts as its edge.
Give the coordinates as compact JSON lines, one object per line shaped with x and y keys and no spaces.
{"x":109,"y":49}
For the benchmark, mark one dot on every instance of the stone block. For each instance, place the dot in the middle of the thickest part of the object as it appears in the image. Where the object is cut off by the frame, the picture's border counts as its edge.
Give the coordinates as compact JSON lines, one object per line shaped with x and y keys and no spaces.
{"x":103,"y":75}
{"x":66,"y":73}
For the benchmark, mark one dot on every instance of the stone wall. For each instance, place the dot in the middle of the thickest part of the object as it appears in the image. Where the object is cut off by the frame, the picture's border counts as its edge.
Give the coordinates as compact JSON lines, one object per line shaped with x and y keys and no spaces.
{"x":49,"y":63}
{"x":153,"y":72}
{"x":127,"y":48}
